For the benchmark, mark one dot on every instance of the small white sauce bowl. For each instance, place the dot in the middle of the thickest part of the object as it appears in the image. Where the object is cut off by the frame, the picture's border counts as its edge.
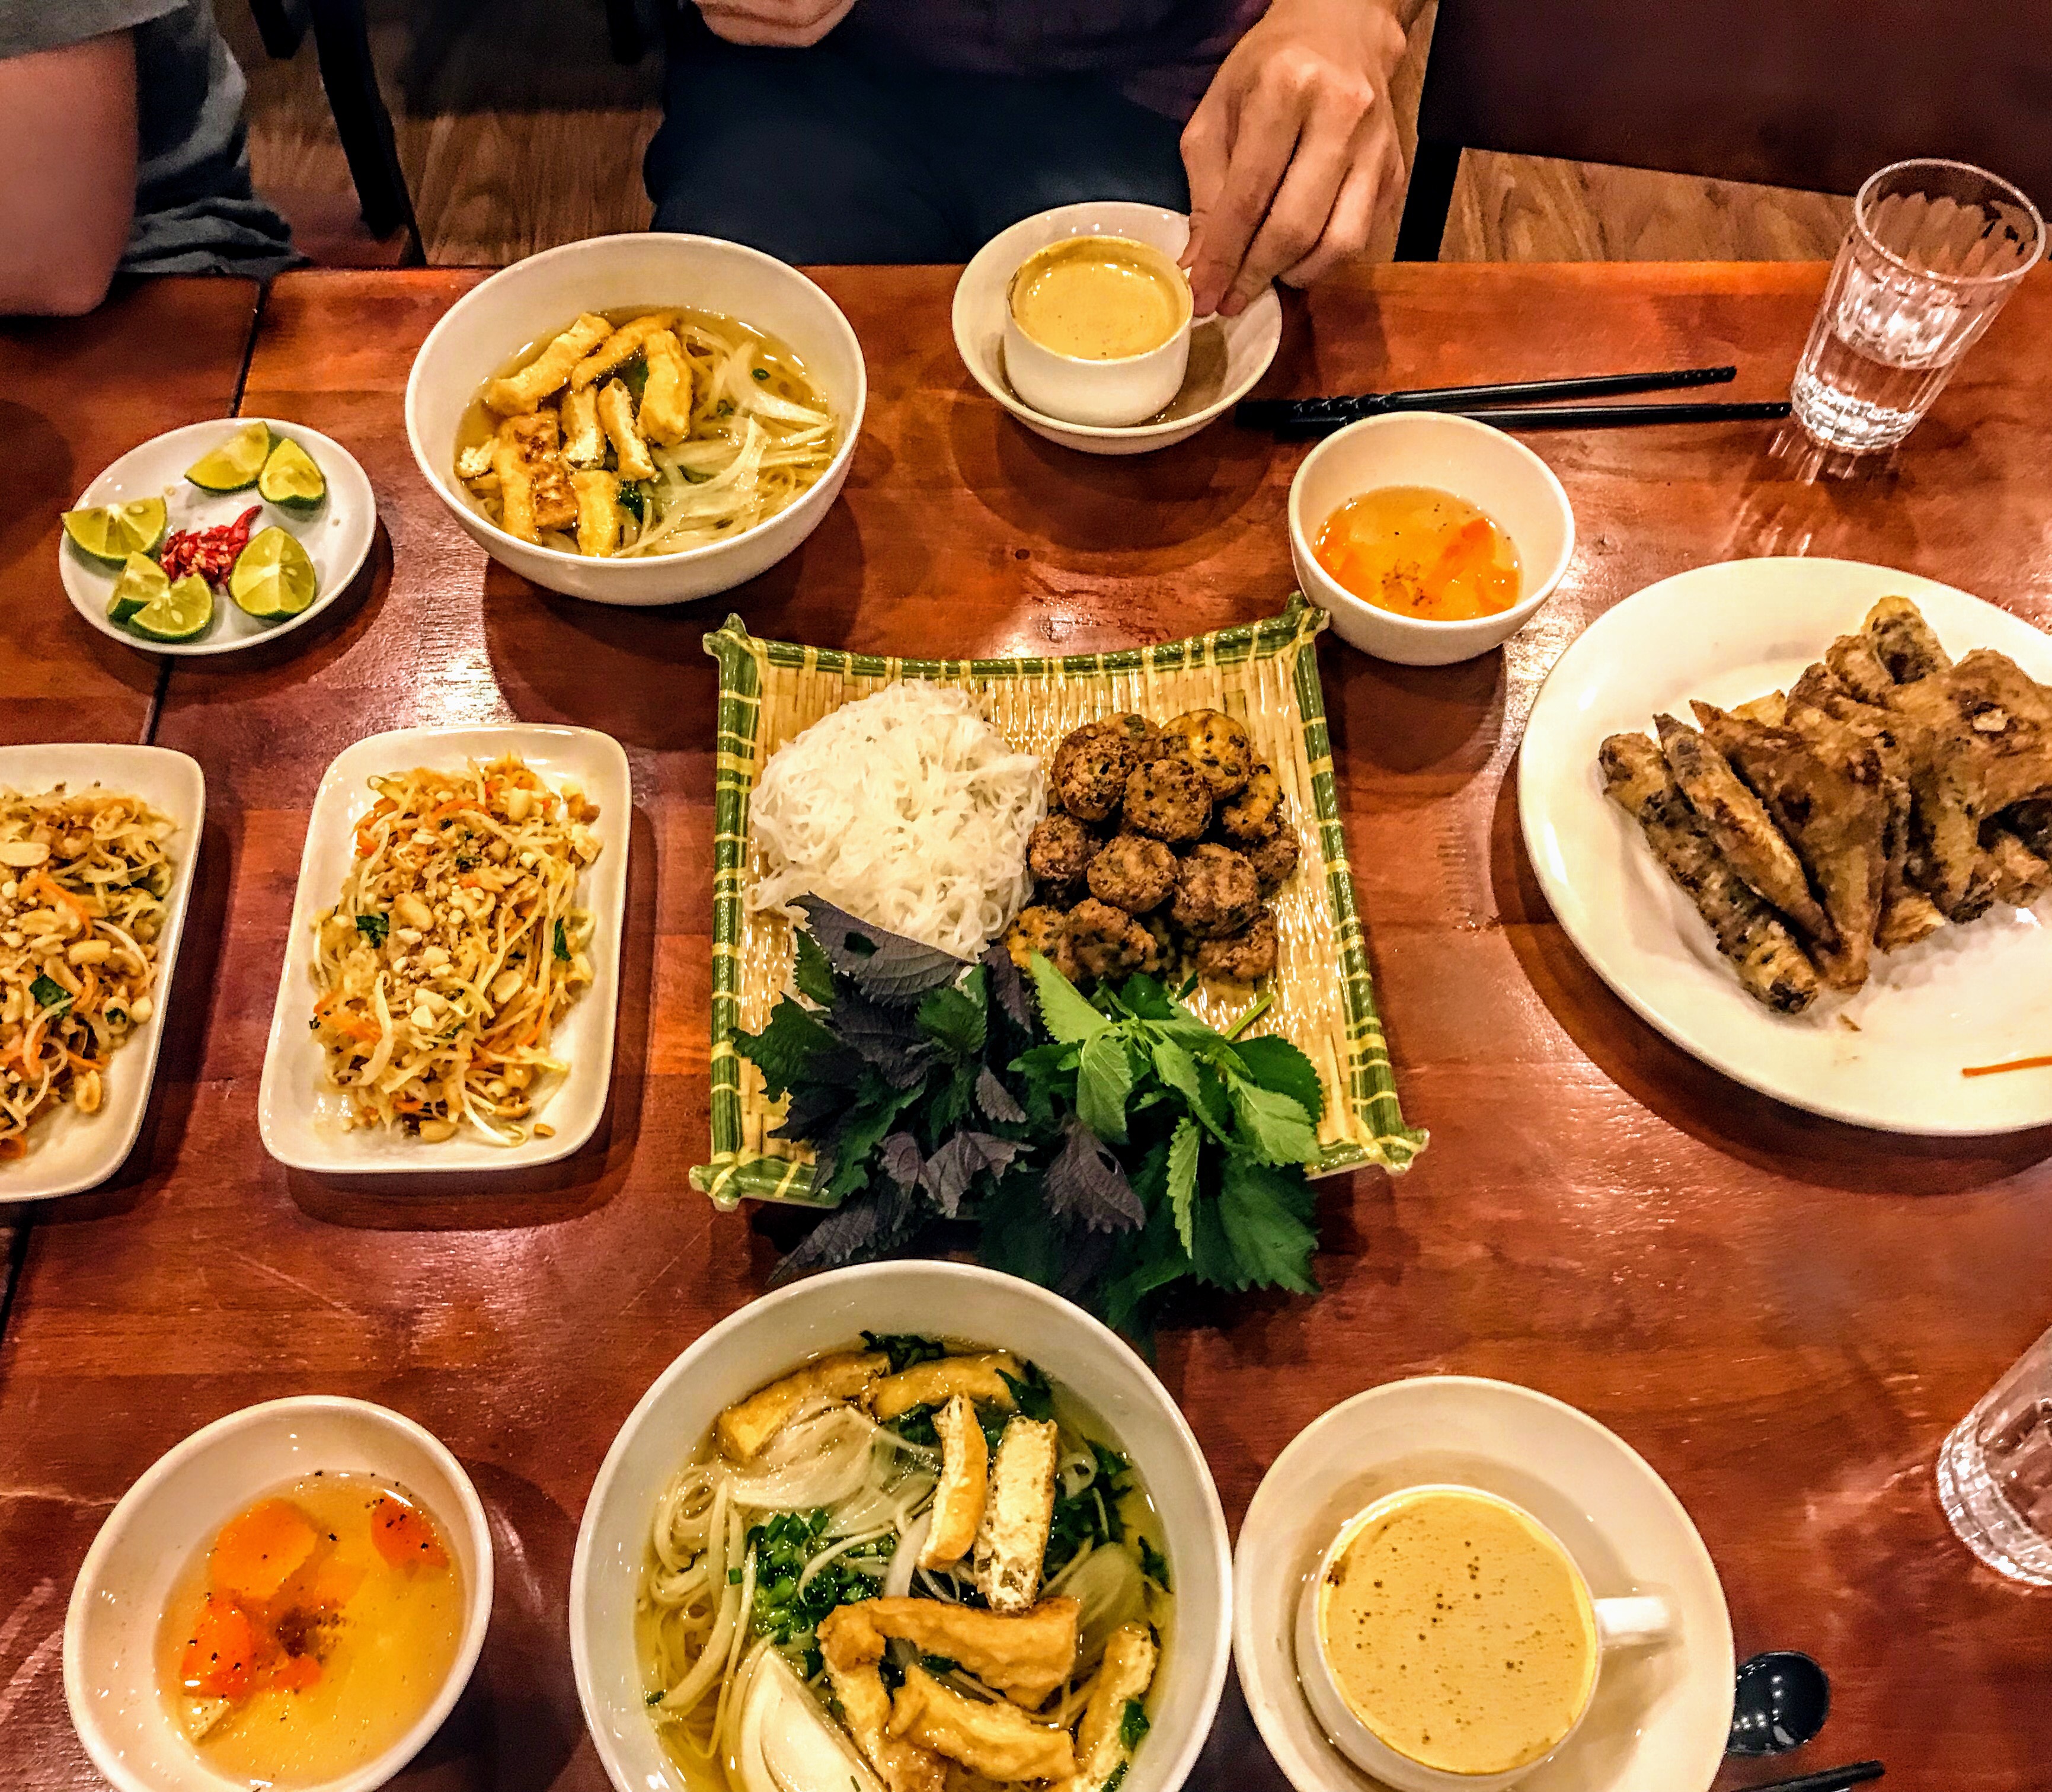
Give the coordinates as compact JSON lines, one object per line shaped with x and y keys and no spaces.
{"x":145,"y":1546}
{"x":773,"y":1336}
{"x":1492,"y":470}
{"x":1105,"y":394}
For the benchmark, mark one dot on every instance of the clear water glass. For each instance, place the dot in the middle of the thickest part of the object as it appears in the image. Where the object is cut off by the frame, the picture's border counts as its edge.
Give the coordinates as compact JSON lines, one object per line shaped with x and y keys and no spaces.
{"x":1935,"y":250}
{"x":1994,"y":1471}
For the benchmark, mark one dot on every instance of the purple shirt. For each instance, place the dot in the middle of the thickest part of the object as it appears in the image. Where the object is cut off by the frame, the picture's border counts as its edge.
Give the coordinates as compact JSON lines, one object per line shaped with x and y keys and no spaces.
{"x":1162,"y":54}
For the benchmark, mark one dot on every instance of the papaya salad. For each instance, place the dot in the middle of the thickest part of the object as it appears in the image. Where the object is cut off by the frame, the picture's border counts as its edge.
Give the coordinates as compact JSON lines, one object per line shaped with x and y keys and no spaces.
{"x":83,"y":882}
{"x":456,"y":948}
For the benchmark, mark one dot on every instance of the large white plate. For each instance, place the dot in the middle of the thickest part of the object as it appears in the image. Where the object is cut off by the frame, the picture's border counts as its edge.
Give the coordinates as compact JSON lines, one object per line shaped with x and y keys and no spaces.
{"x":337,"y":536}
{"x":1227,"y":355}
{"x":1661,"y":1716}
{"x":299,"y":1112}
{"x":1889,"y":1057}
{"x":68,"y":1150}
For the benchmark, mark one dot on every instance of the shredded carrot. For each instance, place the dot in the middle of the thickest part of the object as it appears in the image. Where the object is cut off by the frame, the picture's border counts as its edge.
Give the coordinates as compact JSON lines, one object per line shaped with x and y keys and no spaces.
{"x":79,"y":1063}
{"x":2014,"y":1064}
{"x":13,"y":1145}
{"x":44,"y":881}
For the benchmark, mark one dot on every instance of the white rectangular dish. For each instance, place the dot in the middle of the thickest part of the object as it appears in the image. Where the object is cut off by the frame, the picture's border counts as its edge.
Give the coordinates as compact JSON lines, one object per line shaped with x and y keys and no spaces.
{"x":298,"y":1111}
{"x":69,"y":1151}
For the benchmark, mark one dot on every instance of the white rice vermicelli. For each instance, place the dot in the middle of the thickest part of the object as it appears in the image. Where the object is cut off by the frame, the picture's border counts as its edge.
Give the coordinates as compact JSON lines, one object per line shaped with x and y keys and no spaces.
{"x":907,"y":809}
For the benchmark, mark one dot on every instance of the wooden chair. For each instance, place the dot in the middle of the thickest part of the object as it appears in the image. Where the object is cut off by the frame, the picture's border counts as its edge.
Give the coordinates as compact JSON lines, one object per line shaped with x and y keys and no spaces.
{"x":1815,"y":94}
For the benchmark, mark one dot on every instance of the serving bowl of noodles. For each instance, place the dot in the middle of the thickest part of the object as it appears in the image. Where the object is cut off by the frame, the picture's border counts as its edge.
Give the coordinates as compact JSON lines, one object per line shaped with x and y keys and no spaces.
{"x":639,"y":419}
{"x":764,"y":1597}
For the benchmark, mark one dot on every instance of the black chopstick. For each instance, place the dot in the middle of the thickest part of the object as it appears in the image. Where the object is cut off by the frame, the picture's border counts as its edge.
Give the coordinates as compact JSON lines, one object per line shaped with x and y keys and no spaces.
{"x":1304,"y":414}
{"x":1612,"y":416}
{"x":1830,"y":1779}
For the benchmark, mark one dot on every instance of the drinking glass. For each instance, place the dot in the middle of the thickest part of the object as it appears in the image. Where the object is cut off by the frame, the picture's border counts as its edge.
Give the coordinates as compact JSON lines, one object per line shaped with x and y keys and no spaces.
{"x":1994,"y":1471}
{"x":1934,"y":249}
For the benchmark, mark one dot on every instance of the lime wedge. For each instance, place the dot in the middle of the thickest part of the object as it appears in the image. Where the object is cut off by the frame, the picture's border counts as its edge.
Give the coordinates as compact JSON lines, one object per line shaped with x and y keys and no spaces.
{"x":291,"y":478}
{"x":179,"y":614}
{"x":272,"y":576}
{"x":143,"y":581}
{"x":113,"y":532}
{"x":233,"y":466}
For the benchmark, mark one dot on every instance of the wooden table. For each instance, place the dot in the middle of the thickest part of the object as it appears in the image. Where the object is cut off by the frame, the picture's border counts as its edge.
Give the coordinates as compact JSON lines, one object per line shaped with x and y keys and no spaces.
{"x":1784,"y":1315}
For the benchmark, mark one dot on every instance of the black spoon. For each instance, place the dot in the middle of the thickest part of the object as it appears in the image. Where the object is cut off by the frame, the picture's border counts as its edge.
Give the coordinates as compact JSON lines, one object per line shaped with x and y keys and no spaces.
{"x":1782,"y":1699}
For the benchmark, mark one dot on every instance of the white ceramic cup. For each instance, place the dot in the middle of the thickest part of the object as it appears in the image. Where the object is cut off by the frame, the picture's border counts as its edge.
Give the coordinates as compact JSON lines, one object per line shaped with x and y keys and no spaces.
{"x":1490,"y":470}
{"x":1619,"y":1623}
{"x":1107,"y":394}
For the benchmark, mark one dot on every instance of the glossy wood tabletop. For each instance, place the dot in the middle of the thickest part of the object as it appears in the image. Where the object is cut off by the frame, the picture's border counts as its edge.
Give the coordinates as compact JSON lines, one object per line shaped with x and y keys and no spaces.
{"x":1785,"y":1316}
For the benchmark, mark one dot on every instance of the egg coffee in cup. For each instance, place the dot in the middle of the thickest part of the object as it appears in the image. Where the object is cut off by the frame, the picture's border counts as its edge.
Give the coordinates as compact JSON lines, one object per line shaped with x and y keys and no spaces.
{"x":1448,"y":1639}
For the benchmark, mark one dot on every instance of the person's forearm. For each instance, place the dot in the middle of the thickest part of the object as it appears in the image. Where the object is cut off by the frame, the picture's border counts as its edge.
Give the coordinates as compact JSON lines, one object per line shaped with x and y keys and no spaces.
{"x":68,"y":186}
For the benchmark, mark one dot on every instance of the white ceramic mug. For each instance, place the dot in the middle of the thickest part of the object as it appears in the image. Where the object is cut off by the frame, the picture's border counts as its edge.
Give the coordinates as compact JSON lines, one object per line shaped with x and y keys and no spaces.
{"x":1619,"y":1623}
{"x":1107,"y":394}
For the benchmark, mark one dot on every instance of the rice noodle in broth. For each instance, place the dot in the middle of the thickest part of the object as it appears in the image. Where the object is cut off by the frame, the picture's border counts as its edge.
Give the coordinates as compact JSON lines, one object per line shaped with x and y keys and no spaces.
{"x":761,"y":435}
{"x":750,"y":1557}
{"x":906,"y":808}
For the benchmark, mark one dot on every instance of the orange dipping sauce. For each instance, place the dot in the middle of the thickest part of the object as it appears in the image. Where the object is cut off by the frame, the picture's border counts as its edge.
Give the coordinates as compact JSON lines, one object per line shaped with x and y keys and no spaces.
{"x":1420,"y":551}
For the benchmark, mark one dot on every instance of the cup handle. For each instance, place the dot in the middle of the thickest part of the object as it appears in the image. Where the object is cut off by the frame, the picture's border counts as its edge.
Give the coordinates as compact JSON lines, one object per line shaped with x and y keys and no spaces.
{"x":1629,"y":1623}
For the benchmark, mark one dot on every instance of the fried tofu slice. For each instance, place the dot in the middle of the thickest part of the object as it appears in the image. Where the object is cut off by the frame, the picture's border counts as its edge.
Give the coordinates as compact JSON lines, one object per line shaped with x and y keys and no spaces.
{"x":851,"y":1647}
{"x":1771,"y":967}
{"x":616,"y":350}
{"x":666,"y":399}
{"x":1012,"y":1541}
{"x":615,"y":416}
{"x":2032,"y":823}
{"x":1127,"y":1672}
{"x":598,"y":510}
{"x":1742,"y":830}
{"x":1903,"y":641}
{"x":1024,"y":1657}
{"x":1853,"y":663}
{"x":998,"y":1741}
{"x":745,"y":1427}
{"x":1772,"y":708}
{"x":518,"y":394}
{"x":957,"y":1508}
{"x":1827,"y":792}
{"x":474,"y":463}
{"x":935,"y":1383}
{"x":584,"y":440}
{"x":2019,"y":875}
{"x":533,"y":485}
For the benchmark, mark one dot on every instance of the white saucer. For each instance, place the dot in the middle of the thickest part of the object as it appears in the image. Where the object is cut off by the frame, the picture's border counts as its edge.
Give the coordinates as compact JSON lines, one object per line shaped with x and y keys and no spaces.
{"x":1887,"y":1057}
{"x":1227,"y":355}
{"x":337,"y":536}
{"x":1661,"y":1717}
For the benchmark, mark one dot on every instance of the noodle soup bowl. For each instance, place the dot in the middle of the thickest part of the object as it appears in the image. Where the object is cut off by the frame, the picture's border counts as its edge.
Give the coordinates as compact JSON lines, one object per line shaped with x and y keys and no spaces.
{"x":534,"y":298}
{"x":965,"y":1305}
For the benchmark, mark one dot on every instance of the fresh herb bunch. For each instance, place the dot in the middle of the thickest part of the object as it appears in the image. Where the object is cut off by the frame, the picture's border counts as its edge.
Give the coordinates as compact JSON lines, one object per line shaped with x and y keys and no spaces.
{"x":1106,"y":1149}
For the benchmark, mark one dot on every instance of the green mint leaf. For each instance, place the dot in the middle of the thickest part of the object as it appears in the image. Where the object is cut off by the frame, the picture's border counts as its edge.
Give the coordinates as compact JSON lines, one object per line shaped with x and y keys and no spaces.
{"x":784,"y":1050}
{"x":956,"y":1018}
{"x":1064,"y":1011}
{"x":374,"y":927}
{"x":1144,"y":998}
{"x":49,"y":995}
{"x":1184,"y":1146}
{"x":1279,"y":1067}
{"x":1264,"y":1212}
{"x":1199,"y":1087}
{"x":1104,"y":1079}
{"x":812,"y":973}
{"x":1274,"y":1128}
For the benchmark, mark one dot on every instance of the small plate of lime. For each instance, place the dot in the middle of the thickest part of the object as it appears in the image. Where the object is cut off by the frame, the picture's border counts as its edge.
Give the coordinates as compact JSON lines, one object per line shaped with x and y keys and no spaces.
{"x":217,"y":536}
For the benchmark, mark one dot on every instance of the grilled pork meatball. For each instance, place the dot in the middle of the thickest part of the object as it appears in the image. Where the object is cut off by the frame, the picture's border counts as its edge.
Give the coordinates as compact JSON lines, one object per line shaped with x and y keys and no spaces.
{"x":1168,"y":800}
{"x":1215,"y":745}
{"x":1039,"y":928}
{"x":1132,"y":873}
{"x":1255,"y":810}
{"x":1107,"y":942}
{"x":1246,"y":956}
{"x":1060,"y":850}
{"x":1090,"y":771}
{"x":1217,"y":893}
{"x":1137,"y":731}
{"x":1274,"y":857}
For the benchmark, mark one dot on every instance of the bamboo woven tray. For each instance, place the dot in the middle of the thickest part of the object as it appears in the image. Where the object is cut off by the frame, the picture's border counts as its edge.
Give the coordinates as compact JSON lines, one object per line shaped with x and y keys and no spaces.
{"x":1265,"y":674}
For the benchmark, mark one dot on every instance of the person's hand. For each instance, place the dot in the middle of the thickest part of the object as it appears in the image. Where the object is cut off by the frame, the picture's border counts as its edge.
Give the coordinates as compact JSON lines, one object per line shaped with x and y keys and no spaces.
{"x":1292,"y":151}
{"x":789,"y":24}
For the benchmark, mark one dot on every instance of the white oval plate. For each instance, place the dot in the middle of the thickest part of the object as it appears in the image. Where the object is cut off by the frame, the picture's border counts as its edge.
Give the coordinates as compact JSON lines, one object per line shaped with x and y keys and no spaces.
{"x":1227,"y":355}
{"x":299,"y":1112}
{"x":1889,"y":1057}
{"x":1661,"y":1716}
{"x":337,"y":536}
{"x":69,"y":1151}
